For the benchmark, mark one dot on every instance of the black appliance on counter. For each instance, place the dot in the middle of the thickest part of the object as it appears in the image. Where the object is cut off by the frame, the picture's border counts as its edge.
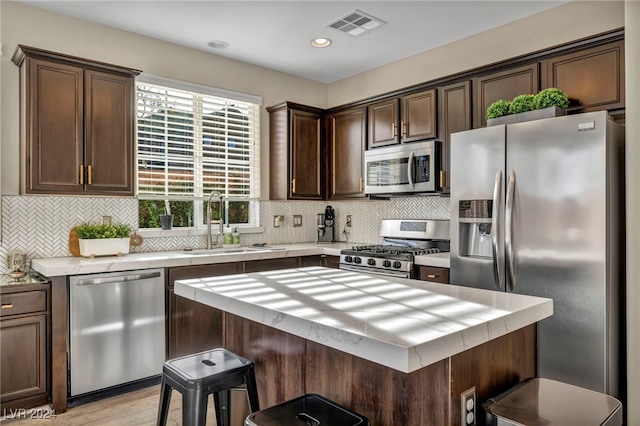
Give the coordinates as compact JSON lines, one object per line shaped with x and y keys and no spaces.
{"x":326,"y":225}
{"x":403,"y":240}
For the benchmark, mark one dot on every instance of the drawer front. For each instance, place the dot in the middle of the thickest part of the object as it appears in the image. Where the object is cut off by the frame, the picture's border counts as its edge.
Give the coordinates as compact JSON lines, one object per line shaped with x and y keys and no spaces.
{"x":437,"y":275}
{"x":23,"y":303}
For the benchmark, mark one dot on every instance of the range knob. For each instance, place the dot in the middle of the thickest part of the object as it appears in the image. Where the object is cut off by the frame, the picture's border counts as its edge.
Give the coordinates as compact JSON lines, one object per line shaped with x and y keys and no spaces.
{"x":397,"y":264}
{"x":357,"y":259}
{"x":386,"y":263}
{"x":348,"y":258}
{"x":371,"y":262}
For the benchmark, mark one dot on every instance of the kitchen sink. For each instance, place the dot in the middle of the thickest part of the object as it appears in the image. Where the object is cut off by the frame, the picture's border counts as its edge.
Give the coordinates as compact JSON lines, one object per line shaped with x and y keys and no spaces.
{"x":214,"y":251}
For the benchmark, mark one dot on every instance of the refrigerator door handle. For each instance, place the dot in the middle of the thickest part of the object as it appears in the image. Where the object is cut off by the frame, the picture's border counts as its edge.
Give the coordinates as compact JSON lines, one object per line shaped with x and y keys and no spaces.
{"x":508,"y":230}
{"x":495,"y":226}
{"x":410,"y":169}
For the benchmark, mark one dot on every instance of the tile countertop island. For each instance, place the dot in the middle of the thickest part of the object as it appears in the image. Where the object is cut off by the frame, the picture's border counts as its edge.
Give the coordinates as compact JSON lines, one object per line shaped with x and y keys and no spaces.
{"x":399,"y":323}
{"x":398,"y":351}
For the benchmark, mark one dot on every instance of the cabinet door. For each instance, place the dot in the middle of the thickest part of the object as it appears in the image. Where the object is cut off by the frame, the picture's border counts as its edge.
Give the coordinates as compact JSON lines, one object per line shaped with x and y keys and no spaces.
{"x":306,"y":156}
{"x":593,"y":79}
{"x":23,"y":358}
{"x":503,"y":85}
{"x":347,"y":153}
{"x":53,"y":125}
{"x":193,"y":326}
{"x":383,"y":123}
{"x":418,"y":116}
{"x":455,"y":116}
{"x":109,"y":133}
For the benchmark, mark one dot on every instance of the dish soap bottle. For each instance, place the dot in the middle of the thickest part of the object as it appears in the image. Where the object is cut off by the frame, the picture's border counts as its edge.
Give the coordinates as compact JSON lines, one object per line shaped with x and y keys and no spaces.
{"x":235,"y":237}
{"x":228,"y":237}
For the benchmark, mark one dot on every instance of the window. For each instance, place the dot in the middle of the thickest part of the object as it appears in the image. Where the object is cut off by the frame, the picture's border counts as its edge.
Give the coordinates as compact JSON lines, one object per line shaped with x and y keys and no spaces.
{"x":192,"y":141}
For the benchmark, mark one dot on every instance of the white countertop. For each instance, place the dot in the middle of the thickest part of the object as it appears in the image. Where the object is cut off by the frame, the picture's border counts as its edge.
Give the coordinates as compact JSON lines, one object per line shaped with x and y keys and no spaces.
{"x":399,"y":323}
{"x":59,"y":266}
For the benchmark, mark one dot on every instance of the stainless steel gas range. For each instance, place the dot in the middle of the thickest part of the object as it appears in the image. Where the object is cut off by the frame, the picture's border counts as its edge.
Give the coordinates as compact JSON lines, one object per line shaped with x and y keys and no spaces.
{"x":402,"y":240}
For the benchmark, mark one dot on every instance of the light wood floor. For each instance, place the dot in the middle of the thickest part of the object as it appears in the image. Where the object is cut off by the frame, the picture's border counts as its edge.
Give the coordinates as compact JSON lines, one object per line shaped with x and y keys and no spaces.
{"x":131,"y":409}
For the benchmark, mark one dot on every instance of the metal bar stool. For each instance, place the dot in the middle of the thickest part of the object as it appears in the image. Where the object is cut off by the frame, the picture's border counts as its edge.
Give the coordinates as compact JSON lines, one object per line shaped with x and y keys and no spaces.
{"x":216,"y":372}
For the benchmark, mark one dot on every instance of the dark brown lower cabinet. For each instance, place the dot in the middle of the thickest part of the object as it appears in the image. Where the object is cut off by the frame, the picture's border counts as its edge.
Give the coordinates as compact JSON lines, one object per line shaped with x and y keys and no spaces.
{"x":270,"y":264}
{"x":325,"y":260}
{"x":194,"y":327}
{"x":434,"y":274}
{"x":24,"y":346}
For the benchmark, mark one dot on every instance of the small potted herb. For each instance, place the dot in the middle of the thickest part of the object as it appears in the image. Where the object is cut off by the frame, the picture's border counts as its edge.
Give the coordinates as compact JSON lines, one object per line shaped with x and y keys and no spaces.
{"x":100,"y":239}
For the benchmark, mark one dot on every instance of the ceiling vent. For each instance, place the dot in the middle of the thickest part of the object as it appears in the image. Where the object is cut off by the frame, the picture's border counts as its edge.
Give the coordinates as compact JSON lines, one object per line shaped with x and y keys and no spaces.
{"x":356,"y":23}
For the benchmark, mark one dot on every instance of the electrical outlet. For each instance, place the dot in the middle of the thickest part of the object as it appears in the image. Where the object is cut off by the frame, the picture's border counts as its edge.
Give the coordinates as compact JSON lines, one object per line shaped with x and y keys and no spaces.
{"x":349,"y":220}
{"x":468,"y":407}
{"x":277,"y":220}
{"x":297,"y":220}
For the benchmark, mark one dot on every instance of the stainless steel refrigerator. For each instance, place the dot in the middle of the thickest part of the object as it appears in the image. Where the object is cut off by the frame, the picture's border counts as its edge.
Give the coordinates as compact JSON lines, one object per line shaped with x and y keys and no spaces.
{"x":537,"y":208}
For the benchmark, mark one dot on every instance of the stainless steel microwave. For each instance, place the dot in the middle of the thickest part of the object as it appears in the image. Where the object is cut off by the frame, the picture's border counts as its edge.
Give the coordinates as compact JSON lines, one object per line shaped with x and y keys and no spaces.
{"x":402,"y":169}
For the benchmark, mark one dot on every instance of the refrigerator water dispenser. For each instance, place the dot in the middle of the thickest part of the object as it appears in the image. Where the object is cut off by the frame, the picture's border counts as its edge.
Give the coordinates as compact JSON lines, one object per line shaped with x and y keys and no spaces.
{"x":475,"y":228}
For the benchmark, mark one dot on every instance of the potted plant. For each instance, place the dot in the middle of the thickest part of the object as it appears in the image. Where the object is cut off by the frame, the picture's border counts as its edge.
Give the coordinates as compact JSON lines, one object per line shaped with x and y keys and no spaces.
{"x":497,"y":109}
{"x":547,"y":103}
{"x":521,"y":103}
{"x":551,"y":97}
{"x":100,"y":239}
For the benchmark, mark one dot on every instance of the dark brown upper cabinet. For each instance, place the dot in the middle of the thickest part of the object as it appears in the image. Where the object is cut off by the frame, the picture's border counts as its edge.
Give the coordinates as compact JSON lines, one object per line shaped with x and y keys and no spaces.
{"x":346,"y":152}
{"x":454,"y":111}
{"x":593,"y":79}
{"x":296,"y":152}
{"x":77,"y":124}
{"x":503,"y":85}
{"x":418,"y":116}
{"x":405,"y":119}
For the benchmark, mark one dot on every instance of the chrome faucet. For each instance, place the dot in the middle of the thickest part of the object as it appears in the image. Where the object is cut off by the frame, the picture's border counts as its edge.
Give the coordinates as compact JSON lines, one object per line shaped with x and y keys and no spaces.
{"x":220,"y":198}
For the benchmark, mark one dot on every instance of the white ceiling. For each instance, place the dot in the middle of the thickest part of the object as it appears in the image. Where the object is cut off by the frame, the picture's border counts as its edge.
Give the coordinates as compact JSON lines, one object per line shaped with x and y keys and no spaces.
{"x":277,"y":34}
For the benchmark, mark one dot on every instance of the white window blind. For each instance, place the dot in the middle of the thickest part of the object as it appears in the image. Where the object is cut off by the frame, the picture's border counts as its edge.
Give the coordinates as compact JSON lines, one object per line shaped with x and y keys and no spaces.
{"x":192,"y":143}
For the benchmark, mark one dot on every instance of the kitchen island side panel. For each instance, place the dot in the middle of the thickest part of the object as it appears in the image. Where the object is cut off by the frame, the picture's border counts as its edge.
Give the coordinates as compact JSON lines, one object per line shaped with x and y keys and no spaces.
{"x":288,"y":366}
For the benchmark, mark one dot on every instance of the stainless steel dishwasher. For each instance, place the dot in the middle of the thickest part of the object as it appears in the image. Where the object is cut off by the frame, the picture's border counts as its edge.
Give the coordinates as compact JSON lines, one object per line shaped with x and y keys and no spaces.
{"x":116,"y":327}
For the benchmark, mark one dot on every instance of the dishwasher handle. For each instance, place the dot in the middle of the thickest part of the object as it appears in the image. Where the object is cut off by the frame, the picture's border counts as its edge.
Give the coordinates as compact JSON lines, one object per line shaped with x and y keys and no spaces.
{"x":118,"y":279}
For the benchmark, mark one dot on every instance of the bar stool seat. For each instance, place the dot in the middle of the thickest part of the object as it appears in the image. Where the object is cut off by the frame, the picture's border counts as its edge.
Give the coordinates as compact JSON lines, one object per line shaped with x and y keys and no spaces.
{"x":196,"y":376}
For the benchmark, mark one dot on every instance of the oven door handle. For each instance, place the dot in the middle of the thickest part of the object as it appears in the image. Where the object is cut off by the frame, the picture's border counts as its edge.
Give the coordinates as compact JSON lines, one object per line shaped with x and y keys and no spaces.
{"x":410,"y":169}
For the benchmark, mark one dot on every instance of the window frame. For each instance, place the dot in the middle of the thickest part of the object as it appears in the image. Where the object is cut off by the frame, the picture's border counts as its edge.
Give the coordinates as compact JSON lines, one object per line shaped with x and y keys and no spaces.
{"x":198,"y":196}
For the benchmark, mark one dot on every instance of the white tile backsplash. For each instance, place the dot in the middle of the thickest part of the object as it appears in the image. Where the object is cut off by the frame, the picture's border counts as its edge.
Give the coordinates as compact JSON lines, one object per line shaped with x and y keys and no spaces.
{"x":39,"y":225}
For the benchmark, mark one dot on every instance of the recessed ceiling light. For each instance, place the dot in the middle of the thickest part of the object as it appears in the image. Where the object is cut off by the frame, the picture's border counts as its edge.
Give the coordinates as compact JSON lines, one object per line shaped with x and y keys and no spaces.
{"x":218,"y":44}
{"x":320,"y":42}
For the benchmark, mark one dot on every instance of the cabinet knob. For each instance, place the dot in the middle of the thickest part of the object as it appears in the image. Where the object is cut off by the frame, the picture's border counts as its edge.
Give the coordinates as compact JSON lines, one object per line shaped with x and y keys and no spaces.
{"x":394,"y":128}
{"x":361,"y":184}
{"x":441,"y":178}
{"x":432,"y":276}
{"x":404,"y":126}
{"x":81,"y":174}
{"x":7,"y":305}
{"x":89,"y":180}
{"x":293,"y":185}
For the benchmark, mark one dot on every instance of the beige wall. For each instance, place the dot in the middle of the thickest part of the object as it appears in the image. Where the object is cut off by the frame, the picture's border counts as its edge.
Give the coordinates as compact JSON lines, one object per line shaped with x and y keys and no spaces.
{"x":35,"y":27}
{"x":558,"y":25}
{"x":632,"y":60}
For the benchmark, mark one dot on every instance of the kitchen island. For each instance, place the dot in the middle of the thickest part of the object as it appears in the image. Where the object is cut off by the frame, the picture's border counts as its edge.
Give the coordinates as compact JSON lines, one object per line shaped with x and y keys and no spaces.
{"x":398,"y":351}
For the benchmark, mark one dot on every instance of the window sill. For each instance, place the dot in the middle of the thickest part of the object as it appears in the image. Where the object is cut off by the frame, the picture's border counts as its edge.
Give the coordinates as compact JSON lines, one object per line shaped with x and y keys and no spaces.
{"x":187,"y":232}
